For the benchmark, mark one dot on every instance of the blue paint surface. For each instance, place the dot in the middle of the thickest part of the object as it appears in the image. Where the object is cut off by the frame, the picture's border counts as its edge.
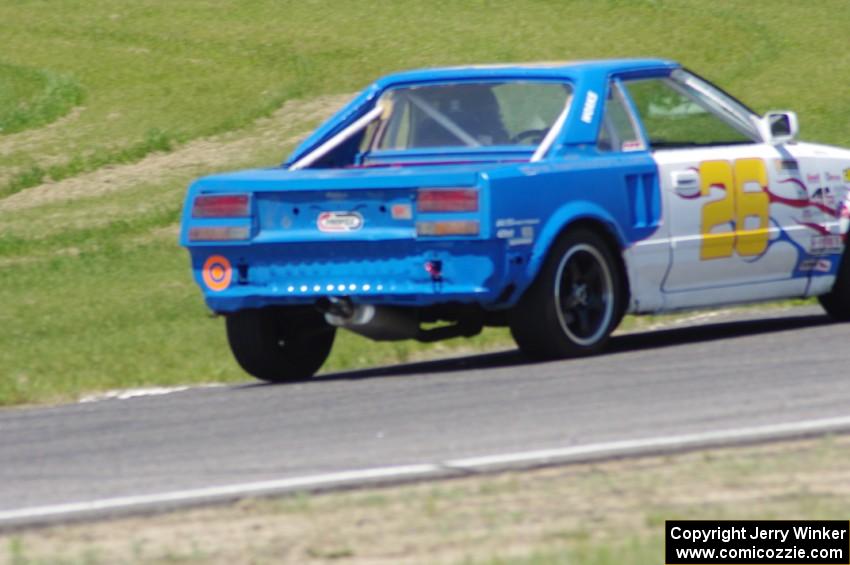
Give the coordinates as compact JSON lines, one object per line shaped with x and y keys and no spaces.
{"x":523,"y":207}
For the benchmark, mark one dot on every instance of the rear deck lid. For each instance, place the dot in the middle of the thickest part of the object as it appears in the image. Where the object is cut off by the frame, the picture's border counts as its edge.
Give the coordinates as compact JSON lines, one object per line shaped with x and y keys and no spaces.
{"x":317,"y":205}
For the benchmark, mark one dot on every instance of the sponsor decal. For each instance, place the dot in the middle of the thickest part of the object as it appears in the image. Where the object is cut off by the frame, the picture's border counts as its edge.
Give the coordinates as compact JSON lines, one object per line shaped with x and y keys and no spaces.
{"x":633,"y":145}
{"x":829,"y":197}
{"x":833,"y":178}
{"x":589,"y":107}
{"x":401,"y":211}
{"x":825,"y":244}
{"x":339,"y":221}
{"x":511,"y":222}
{"x":846,"y":175}
{"x":824,"y":196}
{"x":217,"y":273}
{"x":526,"y":236}
{"x":823,"y":265}
{"x":813,"y":178}
{"x":816,"y":265}
{"x":517,"y":232}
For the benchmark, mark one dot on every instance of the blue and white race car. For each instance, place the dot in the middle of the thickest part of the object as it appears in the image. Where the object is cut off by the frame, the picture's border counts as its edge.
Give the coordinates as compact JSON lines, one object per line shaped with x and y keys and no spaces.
{"x":552,"y":198}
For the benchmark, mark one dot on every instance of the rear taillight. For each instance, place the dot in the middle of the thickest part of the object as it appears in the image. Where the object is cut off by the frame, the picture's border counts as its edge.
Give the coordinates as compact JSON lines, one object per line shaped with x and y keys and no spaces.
{"x":219,"y":233}
{"x":221,"y":206}
{"x":453,"y":227}
{"x":447,"y":200}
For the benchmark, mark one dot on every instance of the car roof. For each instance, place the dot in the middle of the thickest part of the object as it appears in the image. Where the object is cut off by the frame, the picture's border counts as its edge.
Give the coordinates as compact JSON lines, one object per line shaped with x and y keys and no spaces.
{"x":557,"y":69}
{"x":591,"y":73}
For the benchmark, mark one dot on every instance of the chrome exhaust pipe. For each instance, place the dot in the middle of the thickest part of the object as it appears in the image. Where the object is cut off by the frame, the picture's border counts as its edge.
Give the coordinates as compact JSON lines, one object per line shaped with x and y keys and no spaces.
{"x":380,"y":323}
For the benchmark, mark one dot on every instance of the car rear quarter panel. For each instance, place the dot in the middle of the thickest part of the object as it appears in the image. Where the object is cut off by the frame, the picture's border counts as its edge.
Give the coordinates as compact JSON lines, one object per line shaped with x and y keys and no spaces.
{"x":549,"y":198}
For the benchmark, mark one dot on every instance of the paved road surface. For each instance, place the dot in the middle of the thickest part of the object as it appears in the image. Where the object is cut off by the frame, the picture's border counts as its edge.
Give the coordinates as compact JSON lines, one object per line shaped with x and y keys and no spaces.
{"x":782,"y":367}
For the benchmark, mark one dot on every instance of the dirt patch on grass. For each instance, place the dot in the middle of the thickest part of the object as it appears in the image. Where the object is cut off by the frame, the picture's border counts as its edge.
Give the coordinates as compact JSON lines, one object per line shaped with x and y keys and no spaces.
{"x":28,"y":142}
{"x":29,"y":139}
{"x":281,"y":130}
{"x":509,"y":514}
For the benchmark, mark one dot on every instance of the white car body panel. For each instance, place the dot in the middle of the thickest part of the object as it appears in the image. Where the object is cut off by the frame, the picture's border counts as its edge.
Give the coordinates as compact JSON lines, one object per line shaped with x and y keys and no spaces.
{"x":805,"y":197}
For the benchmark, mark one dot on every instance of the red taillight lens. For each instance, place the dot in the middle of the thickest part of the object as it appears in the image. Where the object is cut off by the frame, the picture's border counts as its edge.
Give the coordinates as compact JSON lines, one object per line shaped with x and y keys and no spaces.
{"x":221,"y":206}
{"x":447,"y":200}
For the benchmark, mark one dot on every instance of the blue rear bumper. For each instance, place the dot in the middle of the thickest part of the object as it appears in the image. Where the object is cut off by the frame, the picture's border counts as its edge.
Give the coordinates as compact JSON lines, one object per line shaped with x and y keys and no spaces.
{"x":369,"y":272}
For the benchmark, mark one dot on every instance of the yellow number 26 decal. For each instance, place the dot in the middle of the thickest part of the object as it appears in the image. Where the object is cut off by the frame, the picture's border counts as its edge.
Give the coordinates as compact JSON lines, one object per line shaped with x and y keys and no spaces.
{"x":746,"y":211}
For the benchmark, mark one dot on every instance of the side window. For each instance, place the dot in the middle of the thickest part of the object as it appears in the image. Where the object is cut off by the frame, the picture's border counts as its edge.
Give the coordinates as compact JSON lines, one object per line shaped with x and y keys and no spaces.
{"x":618,"y":131}
{"x":528,"y":113}
{"x":672,"y":117}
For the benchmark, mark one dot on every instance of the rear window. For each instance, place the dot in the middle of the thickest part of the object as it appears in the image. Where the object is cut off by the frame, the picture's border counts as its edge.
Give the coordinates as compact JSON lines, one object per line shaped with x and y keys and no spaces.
{"x":467,"y":114}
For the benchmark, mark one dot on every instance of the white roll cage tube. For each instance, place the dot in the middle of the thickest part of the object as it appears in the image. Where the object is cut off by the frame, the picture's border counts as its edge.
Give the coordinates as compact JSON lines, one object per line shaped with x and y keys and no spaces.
{"x":553,"y":132}
{"x":378,"y":110}
{"x":337,"y":140}
{"x":444,"y":121}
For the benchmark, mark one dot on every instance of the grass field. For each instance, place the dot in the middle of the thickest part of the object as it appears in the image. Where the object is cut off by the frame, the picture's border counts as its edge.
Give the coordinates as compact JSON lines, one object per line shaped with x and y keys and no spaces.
{"x":110,"y":108}
{"x":31,"y":98}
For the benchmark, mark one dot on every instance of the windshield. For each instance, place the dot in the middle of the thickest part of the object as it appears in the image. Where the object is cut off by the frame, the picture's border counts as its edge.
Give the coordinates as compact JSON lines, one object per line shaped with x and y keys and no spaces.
{"x":469,"y":114}
{"x":741,"y":118}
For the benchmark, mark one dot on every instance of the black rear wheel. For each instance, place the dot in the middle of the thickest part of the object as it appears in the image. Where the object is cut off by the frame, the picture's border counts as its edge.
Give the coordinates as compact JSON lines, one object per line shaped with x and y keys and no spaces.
{"x":575,"y":302}
{"x":837,"y":301}
{"x":280,"y":344}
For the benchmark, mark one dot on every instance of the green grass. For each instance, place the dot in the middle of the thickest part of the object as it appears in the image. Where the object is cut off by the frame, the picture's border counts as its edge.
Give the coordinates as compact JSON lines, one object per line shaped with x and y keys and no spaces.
{"x":195,"y":68}
{"x":633,"y":551}
{"x":30,"y":97}
{"x":93,"y":298}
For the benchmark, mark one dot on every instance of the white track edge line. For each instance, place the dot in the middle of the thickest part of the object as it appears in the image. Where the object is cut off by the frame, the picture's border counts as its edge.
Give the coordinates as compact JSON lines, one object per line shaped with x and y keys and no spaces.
{"x":343,"y":477}
{"x":425,"y":470}
{"x":627,"y":446}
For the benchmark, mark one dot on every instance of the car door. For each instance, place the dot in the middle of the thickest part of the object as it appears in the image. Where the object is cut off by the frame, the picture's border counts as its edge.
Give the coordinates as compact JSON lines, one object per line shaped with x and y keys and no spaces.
{"x":718,"y":180}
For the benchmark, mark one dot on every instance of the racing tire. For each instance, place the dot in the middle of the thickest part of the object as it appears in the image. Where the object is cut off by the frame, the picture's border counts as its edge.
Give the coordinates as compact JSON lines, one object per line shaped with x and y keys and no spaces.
{"x":280,"y":345}
{"x":837,"y":301}
{"x":574,"y":304}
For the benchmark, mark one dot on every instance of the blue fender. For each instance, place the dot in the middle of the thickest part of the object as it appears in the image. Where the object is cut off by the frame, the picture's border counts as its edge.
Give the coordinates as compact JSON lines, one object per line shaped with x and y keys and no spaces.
{"x":562,"y":218}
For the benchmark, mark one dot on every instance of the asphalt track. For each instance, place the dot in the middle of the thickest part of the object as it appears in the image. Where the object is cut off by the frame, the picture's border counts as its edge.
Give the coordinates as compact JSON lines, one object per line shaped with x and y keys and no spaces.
{"x":769,"y":375}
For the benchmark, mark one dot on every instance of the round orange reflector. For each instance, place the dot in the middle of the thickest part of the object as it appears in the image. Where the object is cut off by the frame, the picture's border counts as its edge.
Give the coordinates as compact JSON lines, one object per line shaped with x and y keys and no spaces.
{"x":217,"y":272}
